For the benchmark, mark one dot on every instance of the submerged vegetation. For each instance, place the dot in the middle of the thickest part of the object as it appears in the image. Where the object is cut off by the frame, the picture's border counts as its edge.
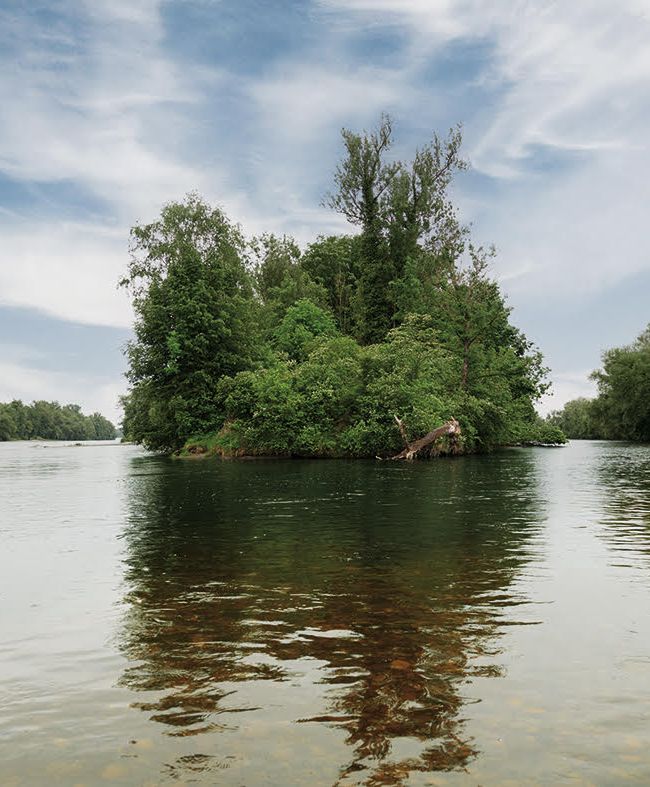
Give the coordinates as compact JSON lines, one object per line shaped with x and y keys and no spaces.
{"x":52,"y":421}
{"x":621,"y":411}
{"x":259,"y":347}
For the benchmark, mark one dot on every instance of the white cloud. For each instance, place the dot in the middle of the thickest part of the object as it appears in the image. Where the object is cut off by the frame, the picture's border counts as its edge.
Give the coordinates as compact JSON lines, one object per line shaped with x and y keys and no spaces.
{"x":300,"y":101}
{"x":91,"y":104}
{"x":574,"y":238}
{"x":300,"y":108}
{"x":567,"y":83}
{"x":84,"y":102}
{"x":67,"y":270}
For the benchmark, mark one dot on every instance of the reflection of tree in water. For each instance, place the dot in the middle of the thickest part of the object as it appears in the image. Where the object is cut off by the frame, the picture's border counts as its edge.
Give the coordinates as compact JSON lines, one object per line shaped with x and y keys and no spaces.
{"x":623,"y":473}
{"x":395,"y":578}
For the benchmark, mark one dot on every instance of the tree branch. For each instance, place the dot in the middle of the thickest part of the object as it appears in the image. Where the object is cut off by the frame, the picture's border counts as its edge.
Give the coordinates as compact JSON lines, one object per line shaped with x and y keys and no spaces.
{"x":452,"y":427}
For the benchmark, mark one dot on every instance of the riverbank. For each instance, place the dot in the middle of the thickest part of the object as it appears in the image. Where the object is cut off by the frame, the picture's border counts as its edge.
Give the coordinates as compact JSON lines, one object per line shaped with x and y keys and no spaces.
{"x":227,"y":444}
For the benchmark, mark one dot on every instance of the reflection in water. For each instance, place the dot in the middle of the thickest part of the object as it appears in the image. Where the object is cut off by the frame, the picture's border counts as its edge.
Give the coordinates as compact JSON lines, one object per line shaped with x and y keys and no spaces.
{"x":623,"y":476}
{"x":372,"y":592}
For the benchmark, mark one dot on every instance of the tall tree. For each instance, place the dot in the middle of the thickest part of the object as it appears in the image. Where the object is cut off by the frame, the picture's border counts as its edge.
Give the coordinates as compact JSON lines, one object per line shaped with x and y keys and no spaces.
{"x":280,"y":279}
{"x":194,"y":307}
{"x":398,"y":207}
{"x":363,"y":180}
{"x":420,"y":211}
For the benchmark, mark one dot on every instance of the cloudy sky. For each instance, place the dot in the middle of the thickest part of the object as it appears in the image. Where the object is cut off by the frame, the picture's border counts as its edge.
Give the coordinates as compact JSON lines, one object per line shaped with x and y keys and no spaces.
{"x":110,"y":109}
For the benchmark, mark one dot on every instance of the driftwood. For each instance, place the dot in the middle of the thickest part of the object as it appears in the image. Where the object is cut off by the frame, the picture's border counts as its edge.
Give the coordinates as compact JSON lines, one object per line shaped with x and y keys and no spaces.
{"x":411,"y":450}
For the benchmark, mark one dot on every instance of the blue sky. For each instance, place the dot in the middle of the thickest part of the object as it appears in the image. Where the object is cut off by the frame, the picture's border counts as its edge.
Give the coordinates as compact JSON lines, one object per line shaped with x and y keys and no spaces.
{"x":111,"y":109}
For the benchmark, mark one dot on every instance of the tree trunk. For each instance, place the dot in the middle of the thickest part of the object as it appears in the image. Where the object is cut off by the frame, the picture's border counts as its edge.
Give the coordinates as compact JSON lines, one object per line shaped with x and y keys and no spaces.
{"x":452,"y":427}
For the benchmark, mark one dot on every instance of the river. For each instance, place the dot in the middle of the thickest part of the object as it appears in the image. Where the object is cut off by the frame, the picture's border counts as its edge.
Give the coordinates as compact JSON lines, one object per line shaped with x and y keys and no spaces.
{"x":480,"y":620}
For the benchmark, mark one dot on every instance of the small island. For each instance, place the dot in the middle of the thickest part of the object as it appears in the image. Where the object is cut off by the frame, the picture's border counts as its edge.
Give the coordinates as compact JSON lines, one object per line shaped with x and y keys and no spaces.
{"x":257,"y":347}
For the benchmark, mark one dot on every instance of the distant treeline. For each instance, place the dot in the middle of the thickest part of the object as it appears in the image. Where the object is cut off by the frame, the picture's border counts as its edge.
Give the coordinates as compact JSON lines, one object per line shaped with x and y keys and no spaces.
{"x":52,"y":421}
{"x":621,"y":411}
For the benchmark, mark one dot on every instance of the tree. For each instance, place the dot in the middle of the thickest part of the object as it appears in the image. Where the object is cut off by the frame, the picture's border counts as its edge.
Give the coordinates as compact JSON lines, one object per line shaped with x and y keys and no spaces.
{"x":51,"y":421}
{"x":280,"y":279}
{"x":576,"y":419}
{"x":420,"y":212}
{"x":195,"y":321}
{"x":622,"y":408}
{"x":363,"y":181}
{"x":334,"y":262}
{"x":397,"y":205}
{"x":8,"y":427}
{"x":499,"y":373}
{"x":621,"y":411}
{"x":302,"y":325}
{"x":239,"y":345}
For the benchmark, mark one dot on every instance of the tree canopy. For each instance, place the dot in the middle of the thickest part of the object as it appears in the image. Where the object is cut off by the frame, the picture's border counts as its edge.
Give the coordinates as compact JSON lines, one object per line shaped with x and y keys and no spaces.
{"x":259,"y":346}
{"x":195,"y":321}
{"x":52,"y":421}
{"x":621,"y":411}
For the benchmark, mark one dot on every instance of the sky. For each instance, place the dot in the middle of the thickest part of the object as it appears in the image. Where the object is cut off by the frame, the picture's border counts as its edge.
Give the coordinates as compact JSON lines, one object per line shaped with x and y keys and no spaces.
{"x":112,"y":109}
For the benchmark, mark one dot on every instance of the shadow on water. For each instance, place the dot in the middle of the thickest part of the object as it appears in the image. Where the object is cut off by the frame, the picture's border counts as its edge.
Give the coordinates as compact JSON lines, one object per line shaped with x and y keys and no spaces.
{"x":380,"y":590}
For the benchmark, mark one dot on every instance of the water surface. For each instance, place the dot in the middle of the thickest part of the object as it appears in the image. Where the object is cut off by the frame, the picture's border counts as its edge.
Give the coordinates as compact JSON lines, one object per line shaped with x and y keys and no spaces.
{"x":483,"y":620}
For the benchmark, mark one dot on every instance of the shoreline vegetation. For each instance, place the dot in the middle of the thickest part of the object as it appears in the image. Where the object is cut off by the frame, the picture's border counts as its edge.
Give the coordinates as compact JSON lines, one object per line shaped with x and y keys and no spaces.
{"x":257,"y":347}
{"x":51,"y":421}
{"x":621,"y":411}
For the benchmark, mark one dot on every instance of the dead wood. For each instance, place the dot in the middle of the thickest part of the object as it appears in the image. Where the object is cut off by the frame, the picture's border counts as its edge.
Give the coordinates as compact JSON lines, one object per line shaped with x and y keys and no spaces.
{"x":411,"y":450}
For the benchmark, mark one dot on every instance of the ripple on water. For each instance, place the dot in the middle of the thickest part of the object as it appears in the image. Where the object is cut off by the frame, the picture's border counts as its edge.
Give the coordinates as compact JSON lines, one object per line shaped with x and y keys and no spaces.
{"x":326,"y":622}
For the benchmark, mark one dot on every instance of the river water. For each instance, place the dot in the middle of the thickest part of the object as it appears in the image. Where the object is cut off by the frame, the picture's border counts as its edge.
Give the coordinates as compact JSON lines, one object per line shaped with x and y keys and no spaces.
{"x":480,"y":621}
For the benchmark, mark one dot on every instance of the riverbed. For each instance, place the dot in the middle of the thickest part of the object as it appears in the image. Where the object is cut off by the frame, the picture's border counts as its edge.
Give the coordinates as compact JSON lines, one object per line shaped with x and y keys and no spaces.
{"x":478,"y":620}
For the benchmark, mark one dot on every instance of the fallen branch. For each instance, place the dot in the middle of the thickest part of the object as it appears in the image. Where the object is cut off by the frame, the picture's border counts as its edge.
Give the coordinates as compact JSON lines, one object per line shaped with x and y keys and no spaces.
{"x":452,"y":427}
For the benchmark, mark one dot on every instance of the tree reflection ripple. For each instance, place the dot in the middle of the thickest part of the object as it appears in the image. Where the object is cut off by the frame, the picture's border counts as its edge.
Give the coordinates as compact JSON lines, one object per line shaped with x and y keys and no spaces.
{"x":372,"y":593}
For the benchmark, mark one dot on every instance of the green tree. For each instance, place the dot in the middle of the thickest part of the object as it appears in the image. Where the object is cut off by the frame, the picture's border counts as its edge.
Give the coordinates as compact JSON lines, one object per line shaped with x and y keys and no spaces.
{"x":576,"y":419}
{"x":363,"y":180}
{"x":500,"y":374}
{"x":103,"y":428}
{"x":280,"y":279}
{"x":302,"y":325}
{"x":195,"y":321}
{"x":398,"y":206}
{"x":622,"y":408}
{"x":51,"y":421}
{"x":8,"y":426}
{"x":239,"y":344}
{"x":334,"y":262}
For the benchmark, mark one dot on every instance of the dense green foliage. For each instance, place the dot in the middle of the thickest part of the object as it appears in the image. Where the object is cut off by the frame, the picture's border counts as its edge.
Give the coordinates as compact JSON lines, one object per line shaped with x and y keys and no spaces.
{"x":621,"y":411}
{"x":402,"y":208}
{"x":52,"y":421}
{"x":193,"y":301}
{"x":279,"y":351}
{"x":576,"y":419}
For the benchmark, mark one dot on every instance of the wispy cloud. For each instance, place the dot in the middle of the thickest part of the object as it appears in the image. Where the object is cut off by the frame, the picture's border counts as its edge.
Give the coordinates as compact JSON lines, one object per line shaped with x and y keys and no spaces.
{"x":92,"y":105}
{"x":88,"y":101}
{"x":105,"y":118}
{"x":66,"y":269}
{"x":563,"y":125}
